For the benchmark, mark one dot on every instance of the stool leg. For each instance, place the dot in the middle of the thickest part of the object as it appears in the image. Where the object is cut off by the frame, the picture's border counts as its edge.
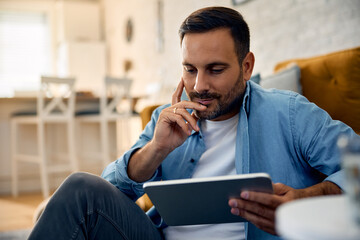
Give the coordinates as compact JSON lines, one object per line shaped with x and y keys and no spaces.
{"x":126,"y":134}
{"x":119,"y":137}
{"x":14,"y":169}
{"x":43,"y":163}
{"x":77,"y":145}
{"x":104,"y":142}
{"x":71,"y":146}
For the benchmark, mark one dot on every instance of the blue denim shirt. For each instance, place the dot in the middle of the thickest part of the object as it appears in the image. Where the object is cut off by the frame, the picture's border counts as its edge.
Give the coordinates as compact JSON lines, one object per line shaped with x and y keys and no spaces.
{"x":279,"y":132}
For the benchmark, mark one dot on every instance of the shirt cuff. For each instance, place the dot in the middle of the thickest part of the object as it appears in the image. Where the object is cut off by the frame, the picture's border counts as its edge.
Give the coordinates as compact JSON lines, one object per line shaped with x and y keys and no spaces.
{"x":337,"y":178}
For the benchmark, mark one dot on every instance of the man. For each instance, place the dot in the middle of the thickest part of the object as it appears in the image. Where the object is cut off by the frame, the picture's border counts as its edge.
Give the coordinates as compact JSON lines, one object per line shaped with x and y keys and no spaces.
{"x":229,"y":126}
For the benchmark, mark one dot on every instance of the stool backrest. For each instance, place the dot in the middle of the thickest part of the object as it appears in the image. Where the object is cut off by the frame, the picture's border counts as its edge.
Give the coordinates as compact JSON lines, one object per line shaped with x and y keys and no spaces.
{"x":116,"y":90}
{"x":56,"y":98}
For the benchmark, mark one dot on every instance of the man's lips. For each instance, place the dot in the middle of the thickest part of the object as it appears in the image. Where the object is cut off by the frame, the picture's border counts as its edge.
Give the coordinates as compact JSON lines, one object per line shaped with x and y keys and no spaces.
{"x":205,"y":101}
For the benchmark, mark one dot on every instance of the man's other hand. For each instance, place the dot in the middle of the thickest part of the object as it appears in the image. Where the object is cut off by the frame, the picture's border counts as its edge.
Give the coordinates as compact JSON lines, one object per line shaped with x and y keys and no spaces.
{"x":259,"y":208}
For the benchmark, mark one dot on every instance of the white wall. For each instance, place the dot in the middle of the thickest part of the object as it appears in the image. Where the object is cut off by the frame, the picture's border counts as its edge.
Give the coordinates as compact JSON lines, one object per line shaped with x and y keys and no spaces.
{"x":78,"y":20}
{"x":150,"y":65}
{"x":300,"y":28}
{"x":280,"y":30}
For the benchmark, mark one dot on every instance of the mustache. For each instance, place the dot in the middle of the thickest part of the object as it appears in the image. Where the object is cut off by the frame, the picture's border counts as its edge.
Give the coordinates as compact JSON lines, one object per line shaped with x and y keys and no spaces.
{"x":204,"y":95}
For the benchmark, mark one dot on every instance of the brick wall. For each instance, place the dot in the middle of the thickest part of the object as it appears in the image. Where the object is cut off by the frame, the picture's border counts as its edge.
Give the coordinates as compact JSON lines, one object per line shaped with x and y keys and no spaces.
{"x":286,"y":29}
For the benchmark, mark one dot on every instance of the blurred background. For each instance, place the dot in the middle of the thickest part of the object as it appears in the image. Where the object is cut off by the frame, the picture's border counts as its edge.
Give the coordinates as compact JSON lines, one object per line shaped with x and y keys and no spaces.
{"x":93,"y":38}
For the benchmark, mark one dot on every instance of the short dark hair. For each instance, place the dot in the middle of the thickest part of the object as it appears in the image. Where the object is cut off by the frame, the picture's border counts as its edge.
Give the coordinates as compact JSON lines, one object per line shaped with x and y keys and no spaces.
{"x":211,"y":18}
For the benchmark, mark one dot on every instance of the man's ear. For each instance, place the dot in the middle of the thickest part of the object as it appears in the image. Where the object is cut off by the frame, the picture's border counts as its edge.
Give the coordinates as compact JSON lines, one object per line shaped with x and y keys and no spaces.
{"x":248,"y":65}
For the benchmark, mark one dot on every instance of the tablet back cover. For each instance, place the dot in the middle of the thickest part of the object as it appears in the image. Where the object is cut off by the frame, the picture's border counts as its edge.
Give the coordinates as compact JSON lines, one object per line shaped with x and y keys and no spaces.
{"x":187,"y":202}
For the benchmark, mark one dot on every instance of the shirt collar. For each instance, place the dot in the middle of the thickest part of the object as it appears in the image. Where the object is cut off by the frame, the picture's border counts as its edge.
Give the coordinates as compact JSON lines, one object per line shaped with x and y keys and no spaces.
{"x":246,"y":100}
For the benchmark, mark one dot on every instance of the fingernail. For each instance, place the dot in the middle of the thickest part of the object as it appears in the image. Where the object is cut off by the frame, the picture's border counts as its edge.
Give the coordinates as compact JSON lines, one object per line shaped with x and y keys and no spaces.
{"x":235,"y":211}
{"x":233,"y":203}
{"x":245,"y":195}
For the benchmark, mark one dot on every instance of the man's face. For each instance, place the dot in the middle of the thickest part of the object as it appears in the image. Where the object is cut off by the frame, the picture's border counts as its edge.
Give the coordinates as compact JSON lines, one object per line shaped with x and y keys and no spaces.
{"x":211,"y":73}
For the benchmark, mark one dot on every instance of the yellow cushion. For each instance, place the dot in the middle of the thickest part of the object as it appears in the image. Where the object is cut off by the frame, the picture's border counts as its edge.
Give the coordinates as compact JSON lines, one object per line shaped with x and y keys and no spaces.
{"x":145,"y":114}
{"x":332,"y":82}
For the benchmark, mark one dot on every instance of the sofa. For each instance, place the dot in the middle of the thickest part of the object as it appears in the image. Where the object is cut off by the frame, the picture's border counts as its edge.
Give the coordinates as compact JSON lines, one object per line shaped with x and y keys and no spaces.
{"x":332,"y":82}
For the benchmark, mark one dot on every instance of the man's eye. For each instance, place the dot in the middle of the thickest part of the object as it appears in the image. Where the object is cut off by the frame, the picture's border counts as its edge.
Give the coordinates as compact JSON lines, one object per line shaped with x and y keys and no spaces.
{"x":216,"y":70}
{"x":189,"y":70}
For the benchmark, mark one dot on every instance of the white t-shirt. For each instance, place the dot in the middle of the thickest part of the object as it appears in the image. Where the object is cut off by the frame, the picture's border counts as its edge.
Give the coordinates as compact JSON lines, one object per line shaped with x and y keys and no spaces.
{"x":217,"y":160}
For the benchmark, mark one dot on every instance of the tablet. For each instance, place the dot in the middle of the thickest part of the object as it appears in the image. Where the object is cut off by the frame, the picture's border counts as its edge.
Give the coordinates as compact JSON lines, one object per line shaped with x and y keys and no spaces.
{"x":203,"y":200}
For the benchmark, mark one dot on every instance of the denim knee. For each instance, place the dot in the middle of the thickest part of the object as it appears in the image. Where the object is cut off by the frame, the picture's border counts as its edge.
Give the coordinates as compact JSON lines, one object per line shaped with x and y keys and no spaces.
{"x":81,"y":182}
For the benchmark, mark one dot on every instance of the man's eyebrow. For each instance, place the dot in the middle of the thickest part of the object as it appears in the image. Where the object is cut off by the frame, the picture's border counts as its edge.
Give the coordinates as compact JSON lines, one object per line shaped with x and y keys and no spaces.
{"x":186,"y":64}
{"x":209,"y":64}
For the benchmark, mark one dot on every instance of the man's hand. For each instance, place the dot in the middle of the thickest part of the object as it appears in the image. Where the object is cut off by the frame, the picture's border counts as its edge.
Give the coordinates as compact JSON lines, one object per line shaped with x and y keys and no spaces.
{"x":174,"y":125}
{"x":259,"y":208}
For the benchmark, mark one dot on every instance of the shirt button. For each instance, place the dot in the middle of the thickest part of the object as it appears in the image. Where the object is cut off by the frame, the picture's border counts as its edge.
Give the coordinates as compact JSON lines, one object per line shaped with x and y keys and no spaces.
{"x":192,"y":160}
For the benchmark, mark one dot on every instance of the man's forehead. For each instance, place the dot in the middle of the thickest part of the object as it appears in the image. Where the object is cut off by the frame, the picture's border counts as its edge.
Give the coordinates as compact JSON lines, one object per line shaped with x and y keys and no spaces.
{"x":211,"y":47}
{"x":219,"y":33}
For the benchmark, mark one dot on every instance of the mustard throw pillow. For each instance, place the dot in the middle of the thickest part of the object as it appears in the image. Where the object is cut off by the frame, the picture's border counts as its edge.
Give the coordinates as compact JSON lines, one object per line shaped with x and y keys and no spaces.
{"x":332,"y":82}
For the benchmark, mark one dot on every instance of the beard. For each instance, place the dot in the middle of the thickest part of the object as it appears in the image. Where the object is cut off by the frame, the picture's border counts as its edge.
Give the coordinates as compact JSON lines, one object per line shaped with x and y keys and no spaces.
{"x":224,"y":103}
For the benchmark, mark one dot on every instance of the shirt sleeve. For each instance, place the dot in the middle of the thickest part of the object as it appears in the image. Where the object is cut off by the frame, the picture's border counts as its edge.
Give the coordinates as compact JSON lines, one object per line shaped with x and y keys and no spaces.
{"x":116,"y":172}
{"x":315,"y":136}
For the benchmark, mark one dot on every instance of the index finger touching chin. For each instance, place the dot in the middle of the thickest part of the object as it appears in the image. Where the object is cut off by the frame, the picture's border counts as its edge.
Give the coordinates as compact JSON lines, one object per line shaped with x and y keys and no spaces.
{"x":176,"y":97}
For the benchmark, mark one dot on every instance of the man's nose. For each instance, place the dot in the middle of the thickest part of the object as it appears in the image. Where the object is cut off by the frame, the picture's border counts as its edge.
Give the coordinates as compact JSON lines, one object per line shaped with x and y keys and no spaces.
{"x":201,"y":82}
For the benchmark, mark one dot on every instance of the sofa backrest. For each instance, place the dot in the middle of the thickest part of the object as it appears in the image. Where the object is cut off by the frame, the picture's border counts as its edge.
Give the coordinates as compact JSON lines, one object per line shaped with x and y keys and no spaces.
{"x":332,"y":82}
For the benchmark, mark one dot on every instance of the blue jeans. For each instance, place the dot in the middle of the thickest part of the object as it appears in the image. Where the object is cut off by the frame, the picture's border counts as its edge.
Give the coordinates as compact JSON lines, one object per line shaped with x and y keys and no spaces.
{"x":88,"y":207}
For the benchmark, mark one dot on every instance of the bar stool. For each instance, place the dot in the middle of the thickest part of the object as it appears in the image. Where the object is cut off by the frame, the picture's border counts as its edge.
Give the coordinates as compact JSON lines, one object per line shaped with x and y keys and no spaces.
{"x":55,"y":105}
{"x":115,"y":92}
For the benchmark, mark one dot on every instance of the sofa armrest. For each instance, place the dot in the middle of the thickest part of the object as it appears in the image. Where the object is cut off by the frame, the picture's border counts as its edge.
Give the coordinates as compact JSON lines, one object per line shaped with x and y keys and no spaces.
{"x":332,"y":81}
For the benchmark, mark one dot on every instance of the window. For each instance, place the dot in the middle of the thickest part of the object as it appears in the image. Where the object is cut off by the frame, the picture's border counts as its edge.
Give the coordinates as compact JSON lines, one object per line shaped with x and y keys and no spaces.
{"x":25,"y":52}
